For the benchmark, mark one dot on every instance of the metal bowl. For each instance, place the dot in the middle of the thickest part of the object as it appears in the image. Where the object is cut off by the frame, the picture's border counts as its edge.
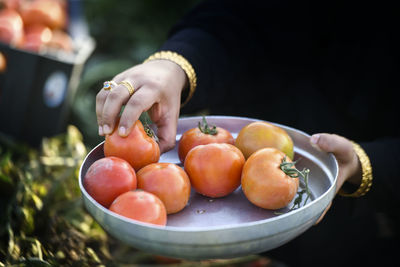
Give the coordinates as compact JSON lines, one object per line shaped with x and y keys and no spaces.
{"x":225,"y":227}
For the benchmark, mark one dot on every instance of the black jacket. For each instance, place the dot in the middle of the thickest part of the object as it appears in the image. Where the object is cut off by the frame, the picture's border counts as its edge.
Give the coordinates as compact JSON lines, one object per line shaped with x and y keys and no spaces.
{"x":319,"y":66}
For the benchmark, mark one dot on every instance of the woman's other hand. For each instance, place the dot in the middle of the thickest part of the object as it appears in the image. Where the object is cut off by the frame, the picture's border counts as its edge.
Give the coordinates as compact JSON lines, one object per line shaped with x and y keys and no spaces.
{"x":349,"y":164}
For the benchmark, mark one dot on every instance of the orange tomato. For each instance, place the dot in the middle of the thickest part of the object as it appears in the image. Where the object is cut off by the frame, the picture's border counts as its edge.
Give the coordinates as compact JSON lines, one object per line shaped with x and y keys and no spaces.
{"x":107,"y":178}
{"x":141,"y":206}
{"x":202,"y":135}
{"x":138,"y":148}
{"x":261,"y":134}
{"x":264,"y":183}
{"x":168,"y":181}
{"x":214,"y":169}
{"x":51,"y":13}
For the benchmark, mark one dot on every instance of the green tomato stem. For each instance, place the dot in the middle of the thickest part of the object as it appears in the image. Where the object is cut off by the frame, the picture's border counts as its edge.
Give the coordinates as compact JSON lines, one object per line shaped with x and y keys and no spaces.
{"x":205,"y":128}
{"x":150,"y":132}
{"x":290,"y":169}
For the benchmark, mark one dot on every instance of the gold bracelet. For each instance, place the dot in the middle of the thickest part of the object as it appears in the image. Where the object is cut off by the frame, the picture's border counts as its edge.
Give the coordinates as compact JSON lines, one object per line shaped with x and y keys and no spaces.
{"x":184,"y":64}
{"x":366,"y":181}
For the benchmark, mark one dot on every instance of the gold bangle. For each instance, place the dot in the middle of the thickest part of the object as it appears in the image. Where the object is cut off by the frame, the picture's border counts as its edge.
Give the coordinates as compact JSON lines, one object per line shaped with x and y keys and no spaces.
{"x":366,"y":181}
{"x":184,"y":64}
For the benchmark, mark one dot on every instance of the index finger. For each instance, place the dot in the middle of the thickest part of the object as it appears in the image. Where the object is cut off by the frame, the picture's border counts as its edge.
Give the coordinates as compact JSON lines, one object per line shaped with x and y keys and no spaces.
{"x":115,"y":99}
{"x":142,"y":100}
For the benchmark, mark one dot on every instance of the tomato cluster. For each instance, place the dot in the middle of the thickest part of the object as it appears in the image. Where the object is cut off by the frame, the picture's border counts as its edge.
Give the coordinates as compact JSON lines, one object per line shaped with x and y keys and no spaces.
{"x":216,"y":168}
{"x":36,"y":26}
{"x":130,"y":181}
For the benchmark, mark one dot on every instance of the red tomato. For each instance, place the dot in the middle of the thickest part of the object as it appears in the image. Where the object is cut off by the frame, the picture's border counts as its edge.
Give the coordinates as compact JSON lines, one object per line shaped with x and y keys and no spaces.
{"x":264,"y":183}
{"x":138,"y":148}
{"x":141,"y":206}
{"x":214,"y":169}
{"x":168,"y":181}
{"x":51,"y":13}
{"x":11,"y":27}
{"x":261,"y":134}
{"x":107,"y":178}
{"x":202,"y":135}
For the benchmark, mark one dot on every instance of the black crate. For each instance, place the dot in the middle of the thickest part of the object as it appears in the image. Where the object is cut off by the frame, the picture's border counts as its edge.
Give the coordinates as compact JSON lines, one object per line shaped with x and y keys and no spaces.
{"x":36,"y":91}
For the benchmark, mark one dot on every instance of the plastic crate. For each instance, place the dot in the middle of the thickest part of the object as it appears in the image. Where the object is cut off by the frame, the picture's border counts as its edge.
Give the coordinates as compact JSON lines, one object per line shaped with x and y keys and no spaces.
{"x":36,"y":91}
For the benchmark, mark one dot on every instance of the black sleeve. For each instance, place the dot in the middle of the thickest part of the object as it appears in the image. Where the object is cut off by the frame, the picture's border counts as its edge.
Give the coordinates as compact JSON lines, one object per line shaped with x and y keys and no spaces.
{"x":208,"y":59}
{"x":206,"y":37}
{"x":226,"y":43}
{"x":384,"y":155}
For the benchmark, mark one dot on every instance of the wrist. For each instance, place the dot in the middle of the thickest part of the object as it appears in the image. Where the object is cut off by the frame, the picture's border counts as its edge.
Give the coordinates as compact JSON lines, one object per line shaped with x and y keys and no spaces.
{"x":190,"y":78}
{"x":175,"y":74}
{"x":362,"y":176}
{"x":355,"y":176}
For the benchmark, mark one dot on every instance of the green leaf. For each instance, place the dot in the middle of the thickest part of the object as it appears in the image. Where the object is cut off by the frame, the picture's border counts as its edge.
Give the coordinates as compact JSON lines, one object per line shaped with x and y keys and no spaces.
{"x":35,"y":262}
{"x":145,"y":118}
{"x":38,"y":202}
{"x":5,"y":179}
{"x":29,"y":221}
{"x":93,"y":255}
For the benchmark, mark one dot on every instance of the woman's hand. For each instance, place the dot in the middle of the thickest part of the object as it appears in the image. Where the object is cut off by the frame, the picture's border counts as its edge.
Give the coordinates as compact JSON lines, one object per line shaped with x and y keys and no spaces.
{"x":349,"y":164}
{"x":158,"y":85}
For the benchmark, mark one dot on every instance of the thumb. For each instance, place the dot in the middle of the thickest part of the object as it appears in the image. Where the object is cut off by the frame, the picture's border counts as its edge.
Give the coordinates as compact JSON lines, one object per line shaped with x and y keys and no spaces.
{"x":336,"y":144}
{"x":342,"y":148}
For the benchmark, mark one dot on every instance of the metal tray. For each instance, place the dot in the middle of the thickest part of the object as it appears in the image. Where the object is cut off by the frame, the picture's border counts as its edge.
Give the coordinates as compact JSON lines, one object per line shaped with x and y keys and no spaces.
{"x":225,"y":227}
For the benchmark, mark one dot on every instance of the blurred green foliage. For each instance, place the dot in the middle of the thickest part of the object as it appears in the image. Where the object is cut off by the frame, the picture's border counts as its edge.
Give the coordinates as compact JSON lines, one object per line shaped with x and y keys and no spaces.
{"x":132,"y":28}
{"x":42,"y":221}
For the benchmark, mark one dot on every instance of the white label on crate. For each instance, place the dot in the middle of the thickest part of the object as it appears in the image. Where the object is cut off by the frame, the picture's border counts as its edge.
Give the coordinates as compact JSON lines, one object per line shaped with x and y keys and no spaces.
{"x":55,"y":88}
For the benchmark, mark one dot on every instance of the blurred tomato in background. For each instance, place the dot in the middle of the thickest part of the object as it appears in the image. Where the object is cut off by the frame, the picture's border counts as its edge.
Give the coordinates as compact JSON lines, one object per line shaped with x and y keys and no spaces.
{"x":51,"y":13}
{"x":35,"y":25}
{"x":11,"y":27}
{"x":36,"y":37}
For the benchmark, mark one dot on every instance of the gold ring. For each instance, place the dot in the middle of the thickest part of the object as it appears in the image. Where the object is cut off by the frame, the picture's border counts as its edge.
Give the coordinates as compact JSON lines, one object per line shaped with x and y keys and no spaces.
{"x":128,"y":86}
{"x":108,"y":85}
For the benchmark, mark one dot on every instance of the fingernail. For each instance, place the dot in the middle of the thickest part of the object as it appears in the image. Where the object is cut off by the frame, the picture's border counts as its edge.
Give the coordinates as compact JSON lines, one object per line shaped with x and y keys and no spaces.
{"x":314,"y":138}
{"x":101,"y":130}
{"x":106,"y":129}
{"x":122,"y":131}
{"x":314,"y":141}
